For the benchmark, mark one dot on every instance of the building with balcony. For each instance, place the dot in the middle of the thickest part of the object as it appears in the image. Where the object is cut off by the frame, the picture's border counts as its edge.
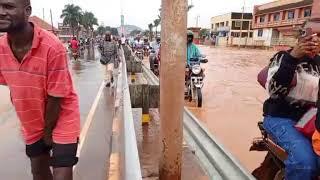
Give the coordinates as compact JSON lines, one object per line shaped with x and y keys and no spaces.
{"x":276,"y":23}
{"x":229,"y":27}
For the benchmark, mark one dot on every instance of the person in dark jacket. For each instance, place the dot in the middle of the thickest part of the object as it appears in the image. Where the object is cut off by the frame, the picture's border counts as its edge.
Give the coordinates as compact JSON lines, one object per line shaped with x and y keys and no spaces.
{"x":293,"y":85}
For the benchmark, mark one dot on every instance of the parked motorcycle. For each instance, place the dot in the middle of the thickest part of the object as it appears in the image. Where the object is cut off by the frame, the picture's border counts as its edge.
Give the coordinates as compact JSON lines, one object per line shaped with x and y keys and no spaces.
{"x":194,"y":80}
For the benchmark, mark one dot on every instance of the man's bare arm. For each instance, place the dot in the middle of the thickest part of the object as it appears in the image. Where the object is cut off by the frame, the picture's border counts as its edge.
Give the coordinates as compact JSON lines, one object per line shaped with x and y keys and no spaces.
{"x":51,"y":117}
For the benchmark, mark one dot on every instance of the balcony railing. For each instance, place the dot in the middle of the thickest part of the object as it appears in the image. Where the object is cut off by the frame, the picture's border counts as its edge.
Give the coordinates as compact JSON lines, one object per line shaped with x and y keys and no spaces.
{"x":287,"y":22}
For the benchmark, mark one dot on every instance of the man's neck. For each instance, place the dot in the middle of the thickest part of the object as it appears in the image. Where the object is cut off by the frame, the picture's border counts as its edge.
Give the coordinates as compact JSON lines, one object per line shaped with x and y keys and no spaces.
{"x":21,"y":37}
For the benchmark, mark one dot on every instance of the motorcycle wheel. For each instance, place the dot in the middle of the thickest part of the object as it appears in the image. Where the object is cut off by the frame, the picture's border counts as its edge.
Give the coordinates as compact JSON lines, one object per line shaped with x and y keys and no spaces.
{"x":199,"y":97}
{"x":190,"y":94}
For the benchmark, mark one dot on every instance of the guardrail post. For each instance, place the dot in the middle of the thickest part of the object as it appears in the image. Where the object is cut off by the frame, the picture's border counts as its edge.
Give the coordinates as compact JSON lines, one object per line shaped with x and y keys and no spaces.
{"x":173,"y":59}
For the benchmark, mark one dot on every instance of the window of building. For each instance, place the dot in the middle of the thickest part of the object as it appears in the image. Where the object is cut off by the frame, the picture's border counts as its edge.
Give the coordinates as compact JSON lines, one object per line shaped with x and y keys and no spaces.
{"x":290,"y":14}
{"x":276,"y":17}
{"x":235,"y":34}
{"x":307,"y":12}
{"x":227,"y":23}
{"x":212,"y":26}
{"x":251,"y":34}
{"x":262,"y":19}
{"x":260,"y":32}
{"x":237,"y":24}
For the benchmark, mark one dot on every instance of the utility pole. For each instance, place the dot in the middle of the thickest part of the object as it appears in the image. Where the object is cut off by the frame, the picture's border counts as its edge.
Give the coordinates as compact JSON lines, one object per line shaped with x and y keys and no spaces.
{"x":52,"y":28}
{"x":172,"y":76}
{"x":241,"y":26}
{"x":43,"y":14}
{"x":197,"y":20}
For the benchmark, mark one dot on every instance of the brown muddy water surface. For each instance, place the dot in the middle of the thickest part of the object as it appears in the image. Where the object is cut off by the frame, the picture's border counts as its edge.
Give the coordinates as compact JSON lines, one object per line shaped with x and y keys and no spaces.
{"x":232,"y":99}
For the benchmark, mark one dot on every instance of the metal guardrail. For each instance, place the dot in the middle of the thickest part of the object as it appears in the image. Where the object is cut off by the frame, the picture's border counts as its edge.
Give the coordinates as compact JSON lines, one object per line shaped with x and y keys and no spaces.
{"x":132,"y":170}
{"x":215,"y":159}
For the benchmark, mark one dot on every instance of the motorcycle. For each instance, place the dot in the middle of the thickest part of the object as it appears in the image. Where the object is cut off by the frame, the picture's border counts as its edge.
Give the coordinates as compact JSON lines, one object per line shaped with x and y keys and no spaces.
{"x":272,"y":168}
{"x":194,"y":80}
{"x":146,"y":51}
{"x":139,"y":53}
{"x":75,"y":54}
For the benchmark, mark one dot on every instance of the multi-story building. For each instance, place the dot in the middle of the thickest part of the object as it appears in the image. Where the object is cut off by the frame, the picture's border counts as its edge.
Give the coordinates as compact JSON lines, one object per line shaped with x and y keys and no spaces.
{"x":276,"y":23}
{"x":65,"y":33}
{"x":228,"y":27}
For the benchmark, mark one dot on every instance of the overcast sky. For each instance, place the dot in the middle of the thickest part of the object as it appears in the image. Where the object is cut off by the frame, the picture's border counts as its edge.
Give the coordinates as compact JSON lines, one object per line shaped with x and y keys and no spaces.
{"x":140,"y":12}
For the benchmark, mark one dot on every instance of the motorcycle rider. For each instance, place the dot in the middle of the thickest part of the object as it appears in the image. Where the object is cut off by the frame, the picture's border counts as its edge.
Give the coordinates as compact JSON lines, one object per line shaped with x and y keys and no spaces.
{"x":74,"y":45}
{"x":192,"y":50}
{"x":155,"y":46}
{"x":289,"y":103}
{"x":138,"y":43}
{"x":109,"y":52}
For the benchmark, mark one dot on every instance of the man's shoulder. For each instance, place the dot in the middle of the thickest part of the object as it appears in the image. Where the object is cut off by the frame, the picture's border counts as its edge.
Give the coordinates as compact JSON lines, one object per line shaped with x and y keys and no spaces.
{"x":50,"y":40}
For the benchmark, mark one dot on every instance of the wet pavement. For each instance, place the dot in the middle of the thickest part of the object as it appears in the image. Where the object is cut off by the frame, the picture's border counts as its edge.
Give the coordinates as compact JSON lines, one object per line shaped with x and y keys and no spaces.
{"x":232,"y":99}
{"x":88,"y":76}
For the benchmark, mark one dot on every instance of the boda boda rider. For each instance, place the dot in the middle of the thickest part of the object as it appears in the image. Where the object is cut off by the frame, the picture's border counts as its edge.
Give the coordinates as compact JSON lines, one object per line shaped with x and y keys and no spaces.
{"x":192,"y":50}
{"x":287,"y":104}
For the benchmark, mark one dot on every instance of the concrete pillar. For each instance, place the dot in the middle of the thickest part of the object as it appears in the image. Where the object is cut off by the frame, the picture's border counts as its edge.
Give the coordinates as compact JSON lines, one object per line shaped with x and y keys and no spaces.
{"x":173,"y":61}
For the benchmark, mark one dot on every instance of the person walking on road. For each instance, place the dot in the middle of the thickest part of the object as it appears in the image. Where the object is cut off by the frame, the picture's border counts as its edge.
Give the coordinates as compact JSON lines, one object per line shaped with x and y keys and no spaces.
{"x":33,"y":64}
{"x":109,"y":54}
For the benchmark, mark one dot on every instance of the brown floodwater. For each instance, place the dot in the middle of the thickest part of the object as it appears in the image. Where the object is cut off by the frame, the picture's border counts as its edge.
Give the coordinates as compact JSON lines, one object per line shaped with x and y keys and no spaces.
{"x":232,"y":99}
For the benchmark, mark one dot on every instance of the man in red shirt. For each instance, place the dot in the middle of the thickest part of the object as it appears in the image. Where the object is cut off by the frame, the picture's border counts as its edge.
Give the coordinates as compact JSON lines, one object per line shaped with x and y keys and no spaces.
{"x":74,"y":44}
{"x":33,"y":64}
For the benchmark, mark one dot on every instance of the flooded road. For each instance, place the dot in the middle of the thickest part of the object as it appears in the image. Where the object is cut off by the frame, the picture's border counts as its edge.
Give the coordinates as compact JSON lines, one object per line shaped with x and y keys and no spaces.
{"x":232,"y":99}
{"x":87,"y":75}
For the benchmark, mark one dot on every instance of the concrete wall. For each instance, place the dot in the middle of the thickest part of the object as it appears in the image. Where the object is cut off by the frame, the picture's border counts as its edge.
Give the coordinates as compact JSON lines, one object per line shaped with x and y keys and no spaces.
{"x":266,"y":36}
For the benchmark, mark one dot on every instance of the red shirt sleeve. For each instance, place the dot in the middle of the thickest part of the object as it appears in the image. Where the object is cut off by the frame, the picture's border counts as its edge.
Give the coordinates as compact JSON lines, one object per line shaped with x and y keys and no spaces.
{"x":2,"y":80}
{"x":59,"y":82}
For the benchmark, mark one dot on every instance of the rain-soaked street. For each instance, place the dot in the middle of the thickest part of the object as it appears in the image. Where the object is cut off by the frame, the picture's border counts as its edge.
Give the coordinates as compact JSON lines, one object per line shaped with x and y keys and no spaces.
{"x":88,"y":76}
{"x":232,"y":101}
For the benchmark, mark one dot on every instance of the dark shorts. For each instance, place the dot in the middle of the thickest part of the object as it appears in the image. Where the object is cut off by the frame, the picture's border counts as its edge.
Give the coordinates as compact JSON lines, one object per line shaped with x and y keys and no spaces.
{"x":63,"y":155}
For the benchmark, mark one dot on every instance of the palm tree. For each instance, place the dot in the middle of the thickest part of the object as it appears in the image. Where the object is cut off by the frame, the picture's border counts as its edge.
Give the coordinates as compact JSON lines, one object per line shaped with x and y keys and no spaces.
{"x":88,"y":20}
{"x":101,"y":30}
{"x":150,"y":30}
{"x":71,"y":16}
{"x":156,"y":24}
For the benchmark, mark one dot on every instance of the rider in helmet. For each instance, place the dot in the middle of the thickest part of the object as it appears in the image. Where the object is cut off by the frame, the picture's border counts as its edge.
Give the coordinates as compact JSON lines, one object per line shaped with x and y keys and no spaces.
{"x":192,"y":50}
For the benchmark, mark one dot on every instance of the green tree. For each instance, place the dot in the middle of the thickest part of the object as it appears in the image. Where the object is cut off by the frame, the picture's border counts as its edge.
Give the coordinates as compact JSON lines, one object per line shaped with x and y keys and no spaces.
{"x":150,"y":26}
{"x":88,"y":20}
{"x":114,"y":32}
{"x":72,"y":15}
{"x":204,"y":33}
{"x":156,"y":24}
{"x":101,"y":30}
{"x":108,"y":28}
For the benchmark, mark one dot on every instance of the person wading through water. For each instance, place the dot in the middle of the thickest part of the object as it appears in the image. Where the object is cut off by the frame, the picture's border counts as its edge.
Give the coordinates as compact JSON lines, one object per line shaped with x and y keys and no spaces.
{"x":33,"y":64}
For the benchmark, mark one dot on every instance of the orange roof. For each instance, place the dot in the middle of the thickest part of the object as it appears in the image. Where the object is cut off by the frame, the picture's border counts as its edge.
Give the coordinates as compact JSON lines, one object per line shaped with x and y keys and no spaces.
{"x":41,"y":23}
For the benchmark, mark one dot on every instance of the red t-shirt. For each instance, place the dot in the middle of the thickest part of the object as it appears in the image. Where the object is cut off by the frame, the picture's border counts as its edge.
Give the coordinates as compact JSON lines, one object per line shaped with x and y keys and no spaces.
{"x":42,"y":72}
{"x":74,"y":44}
